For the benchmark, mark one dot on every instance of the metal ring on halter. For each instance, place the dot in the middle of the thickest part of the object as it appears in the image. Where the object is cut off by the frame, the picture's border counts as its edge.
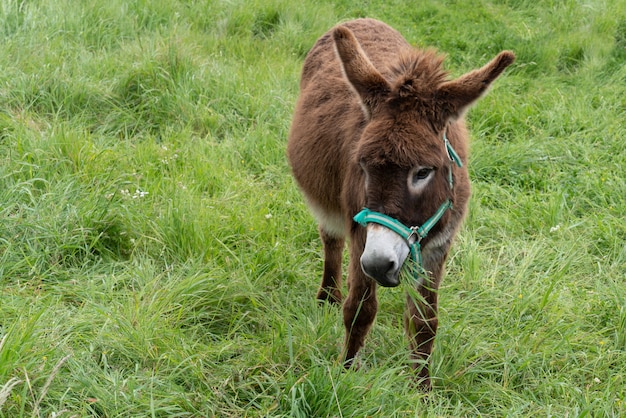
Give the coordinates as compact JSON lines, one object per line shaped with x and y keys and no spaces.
{"x":414,"y":231}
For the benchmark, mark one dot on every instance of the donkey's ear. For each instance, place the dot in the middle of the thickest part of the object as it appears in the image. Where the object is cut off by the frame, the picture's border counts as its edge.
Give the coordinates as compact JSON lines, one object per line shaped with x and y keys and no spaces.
{"x":370,"y":85}
{"x":456,"y":96}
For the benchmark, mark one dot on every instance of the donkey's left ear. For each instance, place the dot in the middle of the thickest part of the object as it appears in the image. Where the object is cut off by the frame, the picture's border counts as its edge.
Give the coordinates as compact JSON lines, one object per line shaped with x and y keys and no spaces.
{"x":369,"y":84}
{"x":456,"y":96}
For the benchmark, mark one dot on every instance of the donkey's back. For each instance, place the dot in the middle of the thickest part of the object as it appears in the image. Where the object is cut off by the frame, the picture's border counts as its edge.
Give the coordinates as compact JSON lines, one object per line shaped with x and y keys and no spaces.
{"x":380,"y":42}
{"x":329,"y":117}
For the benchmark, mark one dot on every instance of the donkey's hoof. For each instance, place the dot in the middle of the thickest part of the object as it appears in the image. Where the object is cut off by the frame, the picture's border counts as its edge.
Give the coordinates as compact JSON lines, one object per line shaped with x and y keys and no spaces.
{"x":352,"y":364}
{"x":423,"y":384}
{"x":332,"y":296}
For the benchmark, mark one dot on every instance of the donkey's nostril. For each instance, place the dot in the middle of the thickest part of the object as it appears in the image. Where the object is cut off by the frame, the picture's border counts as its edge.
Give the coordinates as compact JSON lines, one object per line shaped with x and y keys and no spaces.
{"x":392,"y":265}
{"x":383,"y":255}
{"x":382,"y":269}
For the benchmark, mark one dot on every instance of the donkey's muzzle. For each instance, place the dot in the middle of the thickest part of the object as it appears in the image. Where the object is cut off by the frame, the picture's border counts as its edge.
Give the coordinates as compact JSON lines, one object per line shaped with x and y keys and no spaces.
{"x":383,"y":255}
{"x":385,"y":272}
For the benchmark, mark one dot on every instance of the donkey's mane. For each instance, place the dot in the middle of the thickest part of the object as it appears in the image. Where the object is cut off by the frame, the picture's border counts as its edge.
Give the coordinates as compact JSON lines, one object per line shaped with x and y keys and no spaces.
{"x":415,"y":78}
{"x":418,"y":72}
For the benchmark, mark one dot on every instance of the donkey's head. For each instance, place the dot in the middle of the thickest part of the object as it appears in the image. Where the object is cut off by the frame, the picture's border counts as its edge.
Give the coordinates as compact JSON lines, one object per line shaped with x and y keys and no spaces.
{"x":403,"y":150}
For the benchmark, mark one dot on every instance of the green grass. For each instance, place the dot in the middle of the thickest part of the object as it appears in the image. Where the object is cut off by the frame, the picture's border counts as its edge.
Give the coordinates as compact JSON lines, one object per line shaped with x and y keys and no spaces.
{"x":156,"y":258}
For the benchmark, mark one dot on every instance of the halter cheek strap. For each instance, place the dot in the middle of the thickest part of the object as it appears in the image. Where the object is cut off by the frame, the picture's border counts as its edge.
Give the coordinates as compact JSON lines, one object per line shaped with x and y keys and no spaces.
{"x":452,"y":155}
{"x":366,"y":216}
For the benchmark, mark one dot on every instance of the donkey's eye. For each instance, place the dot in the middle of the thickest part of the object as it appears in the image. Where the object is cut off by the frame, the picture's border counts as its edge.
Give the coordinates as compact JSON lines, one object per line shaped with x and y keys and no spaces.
{"x":422,"y":174}
{"x":419,"y":177}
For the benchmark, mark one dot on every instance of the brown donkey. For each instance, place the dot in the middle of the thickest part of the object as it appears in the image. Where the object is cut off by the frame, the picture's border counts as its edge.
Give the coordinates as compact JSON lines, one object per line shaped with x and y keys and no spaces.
{"x":379,"y":126}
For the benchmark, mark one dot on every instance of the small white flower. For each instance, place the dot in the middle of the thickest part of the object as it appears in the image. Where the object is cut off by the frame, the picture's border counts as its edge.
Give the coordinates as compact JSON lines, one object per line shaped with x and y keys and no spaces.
{"x":595,"y":379}
{"x":555,"y":228}
{"x":139,"y":194}
{"x":268,"y":216}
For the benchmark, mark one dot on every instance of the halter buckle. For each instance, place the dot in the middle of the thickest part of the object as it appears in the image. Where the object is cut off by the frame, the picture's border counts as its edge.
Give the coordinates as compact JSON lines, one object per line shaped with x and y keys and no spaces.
{"x":415,"y":231}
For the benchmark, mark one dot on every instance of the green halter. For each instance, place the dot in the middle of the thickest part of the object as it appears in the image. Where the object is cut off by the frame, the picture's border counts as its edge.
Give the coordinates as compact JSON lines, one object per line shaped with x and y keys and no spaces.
{"x":366,"y":216}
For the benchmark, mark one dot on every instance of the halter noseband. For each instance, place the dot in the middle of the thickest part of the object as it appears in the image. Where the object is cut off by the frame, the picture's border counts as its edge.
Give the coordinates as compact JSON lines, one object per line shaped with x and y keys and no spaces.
{"x":366,"y":216}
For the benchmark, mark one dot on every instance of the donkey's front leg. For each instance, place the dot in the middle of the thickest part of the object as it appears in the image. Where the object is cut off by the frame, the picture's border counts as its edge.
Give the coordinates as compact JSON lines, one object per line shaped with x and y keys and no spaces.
{"x":421,"y":327}
{"x":420,"y":318}
{"x":359,"y":309}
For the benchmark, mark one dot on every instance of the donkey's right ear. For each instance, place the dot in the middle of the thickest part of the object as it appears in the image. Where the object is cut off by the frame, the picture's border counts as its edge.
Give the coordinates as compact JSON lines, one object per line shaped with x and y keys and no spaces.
{"x":369,"y":84}
{"x":457,"y":95}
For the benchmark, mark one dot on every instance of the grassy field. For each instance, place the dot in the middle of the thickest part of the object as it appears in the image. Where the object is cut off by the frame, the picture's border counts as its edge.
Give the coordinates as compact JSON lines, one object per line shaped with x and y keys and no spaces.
{"x":157,"y":259}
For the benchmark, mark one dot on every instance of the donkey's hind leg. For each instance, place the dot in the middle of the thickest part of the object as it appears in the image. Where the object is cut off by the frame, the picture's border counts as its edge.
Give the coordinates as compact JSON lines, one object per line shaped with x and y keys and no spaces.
{"x":330,"y":289}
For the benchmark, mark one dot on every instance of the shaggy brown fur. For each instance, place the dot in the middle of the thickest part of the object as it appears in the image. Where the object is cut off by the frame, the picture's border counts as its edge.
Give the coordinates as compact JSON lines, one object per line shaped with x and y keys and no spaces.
{"x":372,"y":106}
